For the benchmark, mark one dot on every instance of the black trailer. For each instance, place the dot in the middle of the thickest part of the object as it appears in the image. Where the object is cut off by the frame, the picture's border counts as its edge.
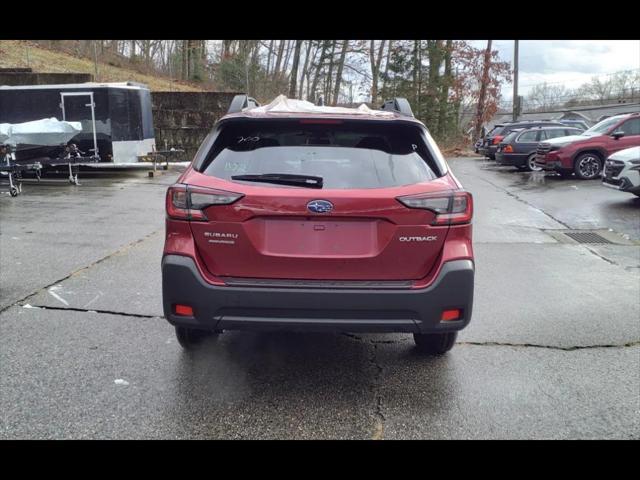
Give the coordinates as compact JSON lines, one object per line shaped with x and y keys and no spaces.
{"x":117,"y":124}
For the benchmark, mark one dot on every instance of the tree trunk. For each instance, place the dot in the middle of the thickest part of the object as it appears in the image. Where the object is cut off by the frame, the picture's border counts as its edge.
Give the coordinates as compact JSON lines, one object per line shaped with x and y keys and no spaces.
{"x":416,"y":69}
{"x":269,"y":54}
{"x":226,"y":48}
{"x":327,"y":83}
{"x":375,"y":68}
{"x":435,"y":60}
{"x":443,"y":103}
{"x":186,"y":61}
{"x":294,"y":70}
{"x":386,"y":66}
{"x":483,"y":90}
{"x":343,"y":54}
{"x":287,"y":55}
{"x":316,"y":77}
{"x":276,"y":71}
{"x":304,"y":69}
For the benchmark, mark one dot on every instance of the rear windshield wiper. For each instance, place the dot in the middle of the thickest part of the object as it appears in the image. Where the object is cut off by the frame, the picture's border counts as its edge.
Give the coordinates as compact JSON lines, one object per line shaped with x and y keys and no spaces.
{"x":282,"y":179}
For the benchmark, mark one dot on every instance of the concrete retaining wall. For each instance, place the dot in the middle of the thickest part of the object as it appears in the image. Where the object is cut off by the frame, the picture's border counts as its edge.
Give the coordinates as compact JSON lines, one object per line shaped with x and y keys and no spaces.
{"x":183,"y":119}
{"x":29,"y":78}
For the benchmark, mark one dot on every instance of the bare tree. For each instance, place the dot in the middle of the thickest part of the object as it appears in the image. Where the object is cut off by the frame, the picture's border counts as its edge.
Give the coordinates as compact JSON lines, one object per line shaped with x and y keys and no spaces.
{"x":343,"y":55}
{"x":329,"y":78}
{"x":294,"y":69}
{"x":305,"y":69}
{"x":375,"y":67}
{"x":318,"y":70}
{"x":483,"y":90}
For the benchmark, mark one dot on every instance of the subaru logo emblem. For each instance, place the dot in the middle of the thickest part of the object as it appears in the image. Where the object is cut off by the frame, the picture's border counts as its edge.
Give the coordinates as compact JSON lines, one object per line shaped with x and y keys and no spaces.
{"x":319,"y":206}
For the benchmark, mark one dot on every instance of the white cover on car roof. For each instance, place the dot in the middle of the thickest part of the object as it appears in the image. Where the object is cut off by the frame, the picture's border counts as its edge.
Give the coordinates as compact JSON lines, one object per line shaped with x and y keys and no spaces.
{"x":282,"y":104}
{"x":48,"y":131}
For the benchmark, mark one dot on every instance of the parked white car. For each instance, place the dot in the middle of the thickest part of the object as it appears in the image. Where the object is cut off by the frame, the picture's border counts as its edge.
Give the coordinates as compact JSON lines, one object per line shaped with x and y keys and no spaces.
{"x":622,"y":171}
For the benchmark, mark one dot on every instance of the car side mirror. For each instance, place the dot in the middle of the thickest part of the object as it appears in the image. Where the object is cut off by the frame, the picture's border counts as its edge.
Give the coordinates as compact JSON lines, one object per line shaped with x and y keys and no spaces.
{"x":617,"y":134}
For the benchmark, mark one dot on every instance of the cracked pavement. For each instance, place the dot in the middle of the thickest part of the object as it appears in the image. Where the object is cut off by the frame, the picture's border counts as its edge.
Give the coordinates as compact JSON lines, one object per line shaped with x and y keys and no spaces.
{"x":552,"y":351}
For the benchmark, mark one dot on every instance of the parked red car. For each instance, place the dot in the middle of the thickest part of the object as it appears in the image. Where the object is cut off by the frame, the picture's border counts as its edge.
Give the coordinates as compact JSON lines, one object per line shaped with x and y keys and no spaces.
{"x":586,"y":153}
{"x":319,"y":222}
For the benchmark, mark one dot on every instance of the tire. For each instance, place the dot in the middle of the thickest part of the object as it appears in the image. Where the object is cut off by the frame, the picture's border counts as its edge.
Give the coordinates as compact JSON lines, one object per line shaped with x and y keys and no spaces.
{"x":14,"y":191}
{"x":435,"y":343}
{"x":530,"y":164}
{"x":588,"y":166}
{"x":190,"y":338}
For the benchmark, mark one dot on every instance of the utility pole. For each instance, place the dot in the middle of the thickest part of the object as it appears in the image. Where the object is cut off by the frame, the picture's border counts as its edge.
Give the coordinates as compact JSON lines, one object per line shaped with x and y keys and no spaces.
{"x":516,"y":111}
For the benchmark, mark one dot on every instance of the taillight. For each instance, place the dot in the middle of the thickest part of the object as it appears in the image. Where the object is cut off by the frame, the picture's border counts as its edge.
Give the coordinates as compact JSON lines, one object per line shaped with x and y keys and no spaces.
{"x":497,"y":139}
{"x":452,"y":208}
{"x":186,"y":202}
{"x":508,"y":149}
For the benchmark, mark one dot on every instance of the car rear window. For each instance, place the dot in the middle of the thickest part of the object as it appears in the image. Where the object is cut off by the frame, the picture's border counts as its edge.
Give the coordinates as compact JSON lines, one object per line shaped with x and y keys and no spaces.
{"x":509,"y":138}
{"x":496,"y":131}
{"x":344,"y":154}
{"x":553,"y":133}
{"x":530,"y":136}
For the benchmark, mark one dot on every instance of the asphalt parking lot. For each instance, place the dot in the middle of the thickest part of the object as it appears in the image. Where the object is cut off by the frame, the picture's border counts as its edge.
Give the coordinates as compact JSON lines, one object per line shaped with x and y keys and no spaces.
{"x":552,"y":351}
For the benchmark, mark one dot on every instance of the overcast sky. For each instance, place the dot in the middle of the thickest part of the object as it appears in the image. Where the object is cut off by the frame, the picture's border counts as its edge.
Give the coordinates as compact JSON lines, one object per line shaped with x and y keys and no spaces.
{"x":567,"y":62}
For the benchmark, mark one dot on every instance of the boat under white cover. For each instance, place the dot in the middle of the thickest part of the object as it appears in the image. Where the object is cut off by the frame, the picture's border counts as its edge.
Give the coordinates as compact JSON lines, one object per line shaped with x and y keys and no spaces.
{"x":45,"y":132}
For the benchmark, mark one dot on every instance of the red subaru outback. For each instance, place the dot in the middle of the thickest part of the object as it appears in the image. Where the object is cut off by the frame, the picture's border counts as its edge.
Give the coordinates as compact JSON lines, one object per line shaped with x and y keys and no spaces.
{"x":319,"y":219}
{"x":586,"y":153}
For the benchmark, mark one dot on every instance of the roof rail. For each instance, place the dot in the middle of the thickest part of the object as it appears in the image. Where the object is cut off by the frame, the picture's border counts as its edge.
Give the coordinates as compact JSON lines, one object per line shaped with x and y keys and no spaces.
{"x":241,"y":102}
{"x":398,"y":104}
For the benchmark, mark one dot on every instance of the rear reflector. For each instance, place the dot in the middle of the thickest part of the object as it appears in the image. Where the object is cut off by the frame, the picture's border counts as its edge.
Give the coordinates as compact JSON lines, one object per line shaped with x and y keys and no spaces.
{"x":451,"y":208}
{"x":453,"y":314}
{"x":184,"y":310}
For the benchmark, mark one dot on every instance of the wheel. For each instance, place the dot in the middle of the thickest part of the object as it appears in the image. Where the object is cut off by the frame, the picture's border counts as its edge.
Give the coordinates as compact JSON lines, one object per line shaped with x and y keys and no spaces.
{"x":435,"y":343}
{"x":530,"y":164}
{"x":189,"y":338}
{"x":13,"y":191}
{"x":587,"y":166}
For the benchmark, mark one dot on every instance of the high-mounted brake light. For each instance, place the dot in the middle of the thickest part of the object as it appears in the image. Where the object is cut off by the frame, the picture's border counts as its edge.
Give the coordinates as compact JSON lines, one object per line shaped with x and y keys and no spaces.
{"x":451,"y":208}
{"x":320,"y":121}
{"x":186,"y":202}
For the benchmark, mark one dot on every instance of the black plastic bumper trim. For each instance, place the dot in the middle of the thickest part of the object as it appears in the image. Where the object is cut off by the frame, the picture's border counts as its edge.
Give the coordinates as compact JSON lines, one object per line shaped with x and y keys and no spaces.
{"x":317,"y":309}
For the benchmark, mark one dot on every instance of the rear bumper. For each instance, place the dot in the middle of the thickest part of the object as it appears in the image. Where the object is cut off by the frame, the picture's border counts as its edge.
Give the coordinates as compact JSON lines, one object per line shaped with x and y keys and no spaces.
{"x":317,"y":309}
{"x":488,"y":151}
{"x":515,"y":159}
